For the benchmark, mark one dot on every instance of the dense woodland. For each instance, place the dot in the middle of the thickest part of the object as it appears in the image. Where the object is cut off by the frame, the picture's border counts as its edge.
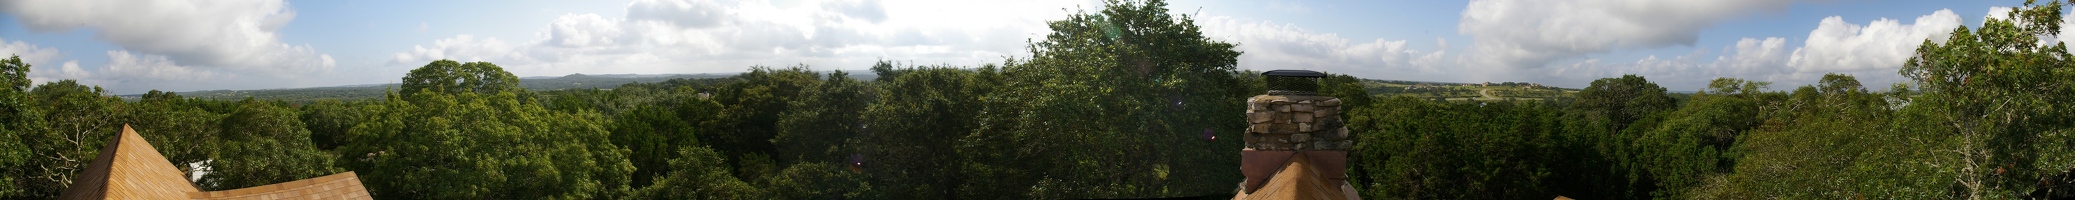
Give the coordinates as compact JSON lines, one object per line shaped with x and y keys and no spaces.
{"x":1125,"y":102}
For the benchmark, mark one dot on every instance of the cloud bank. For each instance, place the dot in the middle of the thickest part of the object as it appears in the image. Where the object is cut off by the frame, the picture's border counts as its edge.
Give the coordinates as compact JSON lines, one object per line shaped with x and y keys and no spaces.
{"x":1533,"y":33}
{"x":236,"y":35}
{"x":1269,"y":45}
{"x":696,"y":36}
{"x":1872,"y":52}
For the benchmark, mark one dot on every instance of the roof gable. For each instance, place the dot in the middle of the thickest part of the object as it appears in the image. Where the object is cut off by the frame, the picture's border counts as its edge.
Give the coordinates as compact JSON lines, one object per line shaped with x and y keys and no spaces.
{"x":129,"y":168}
{"x":1300,"y":179}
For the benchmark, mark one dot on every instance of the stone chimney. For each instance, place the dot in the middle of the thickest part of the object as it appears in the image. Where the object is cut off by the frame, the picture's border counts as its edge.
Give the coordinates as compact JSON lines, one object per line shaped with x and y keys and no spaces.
{"x":1293,"y":118}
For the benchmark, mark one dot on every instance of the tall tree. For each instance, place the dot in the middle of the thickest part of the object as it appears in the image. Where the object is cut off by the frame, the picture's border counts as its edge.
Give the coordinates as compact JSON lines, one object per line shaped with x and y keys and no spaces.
{"x":461,"y":144}
{"x":329,"y":120}
{"x":752,"y":108}
{"x":910,"y":131}
{"x":1834,"y":142}
{"x":183,"y":132}
{"x":79,"y":119}
{"x":262,"y":144}
{"x":18,"y":122}
{"x":1419,"y":149}
{"x":823,"y":119}
{"x":451,"y":77}
{"x":1694,"y":142}
{"x":700,"y":173}
{"x":1996,"y":95}
{"x":1111,"y":104}
{"x":1623,"y":100}
{"x":653,"y":136}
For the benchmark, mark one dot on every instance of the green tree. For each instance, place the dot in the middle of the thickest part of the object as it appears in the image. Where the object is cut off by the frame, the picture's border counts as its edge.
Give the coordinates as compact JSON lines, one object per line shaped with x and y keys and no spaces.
{"x":817,"y":180}
{"x":1417,"y":149}
{"x":264,"y":144}
{"x":18,"y":121}
{"x":653,"y":136}
{"x":1834,"y":141}
{"x":181,"y":131}
{"x":450,"y":77}
{"x":329,"y":120}
{"x":1623,"y":100}
{"x":752,"y":105}
{"x":912,"y":127}
{"x":79,"y":120}
{"x":1348,"y":88}
{"x":822,"y":119}
{"x":1995,"y":96}
{"x":1694,"y":142}
{"x":1111,"y":104}
{"x":699,"y":173}
{"x":469,"y":145}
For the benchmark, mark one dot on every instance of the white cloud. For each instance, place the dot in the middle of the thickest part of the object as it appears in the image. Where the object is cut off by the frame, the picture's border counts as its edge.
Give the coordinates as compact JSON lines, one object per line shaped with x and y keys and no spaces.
{"x":693,"y":36}
{"x":70,"y":70}
{"x":2067,"y":28}
{"x":423,"y":27}
{"x":868,"y":10}
{"x":227,"y":34}
{"x":30,"y":53}
{"x":123,"y":65}
{"x":1871,"y":52}
{"x":686,"y":13}
{"x":1882,"y":44}
{"x":1749,"y":58}
{"x":1532,"y":33}
{"x":1270,"y":45}
{"x":124,"y":70}
{"x":464,"y":47}
{"x":1756,"y":57}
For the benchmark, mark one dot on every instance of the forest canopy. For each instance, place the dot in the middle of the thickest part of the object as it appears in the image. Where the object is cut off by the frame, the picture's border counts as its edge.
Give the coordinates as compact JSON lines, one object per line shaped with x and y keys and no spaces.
{"x":1128,"y":101}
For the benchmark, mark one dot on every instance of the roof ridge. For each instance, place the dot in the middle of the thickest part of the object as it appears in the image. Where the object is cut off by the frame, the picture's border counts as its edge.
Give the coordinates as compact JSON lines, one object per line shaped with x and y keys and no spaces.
{"x":128,"y":167}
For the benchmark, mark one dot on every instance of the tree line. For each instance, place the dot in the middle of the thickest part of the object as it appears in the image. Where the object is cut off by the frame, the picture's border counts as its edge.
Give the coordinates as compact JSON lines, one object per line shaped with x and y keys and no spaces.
{"x":1125,"y":102}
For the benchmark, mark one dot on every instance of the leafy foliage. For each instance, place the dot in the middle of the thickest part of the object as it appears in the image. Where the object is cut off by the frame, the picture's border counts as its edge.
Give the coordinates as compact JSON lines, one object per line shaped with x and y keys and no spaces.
{"x":823,"y":118}
{"x":907,"y":135}
{"x":18,"y":120}
{"x":1623,"y":100}
{"x":451,"y":77}
{"x":447,"y":143}
{"x":755,"y":103}
{"x":167,"y":118}
{"x":1124,"y":102}
{"x":78,"y":120}
{"x":264,"y":144}
{"x":1994,"y":97}
{"x":328,"y":122}
{"x":1413,"y":148}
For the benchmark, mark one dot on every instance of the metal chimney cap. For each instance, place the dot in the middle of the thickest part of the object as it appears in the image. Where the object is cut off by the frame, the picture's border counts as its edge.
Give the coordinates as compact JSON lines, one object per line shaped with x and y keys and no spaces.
{"x":1294,"y":73}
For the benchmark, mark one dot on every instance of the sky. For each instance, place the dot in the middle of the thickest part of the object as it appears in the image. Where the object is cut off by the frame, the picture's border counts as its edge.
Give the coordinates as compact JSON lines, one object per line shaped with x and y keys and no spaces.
{"x":134,"y":46}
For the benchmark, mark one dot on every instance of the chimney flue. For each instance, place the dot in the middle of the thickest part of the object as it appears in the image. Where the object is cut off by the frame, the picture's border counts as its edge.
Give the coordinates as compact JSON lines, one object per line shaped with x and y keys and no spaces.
{"x":1292,"y":118}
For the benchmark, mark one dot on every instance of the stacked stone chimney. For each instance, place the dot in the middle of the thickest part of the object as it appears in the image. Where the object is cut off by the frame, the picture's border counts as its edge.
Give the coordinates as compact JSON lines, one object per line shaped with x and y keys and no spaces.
{"x":1292,"y":119}
{"x":1295,"y":122}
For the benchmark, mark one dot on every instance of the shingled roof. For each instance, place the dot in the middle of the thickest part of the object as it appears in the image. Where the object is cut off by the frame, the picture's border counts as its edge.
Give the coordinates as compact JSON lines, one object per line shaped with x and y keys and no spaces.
{"x":1299,"y":179}
{"x":129,"y":168}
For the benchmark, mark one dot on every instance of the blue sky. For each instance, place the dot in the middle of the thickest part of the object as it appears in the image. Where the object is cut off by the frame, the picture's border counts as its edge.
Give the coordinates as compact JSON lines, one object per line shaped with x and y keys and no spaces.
{"x":132,"y":46}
